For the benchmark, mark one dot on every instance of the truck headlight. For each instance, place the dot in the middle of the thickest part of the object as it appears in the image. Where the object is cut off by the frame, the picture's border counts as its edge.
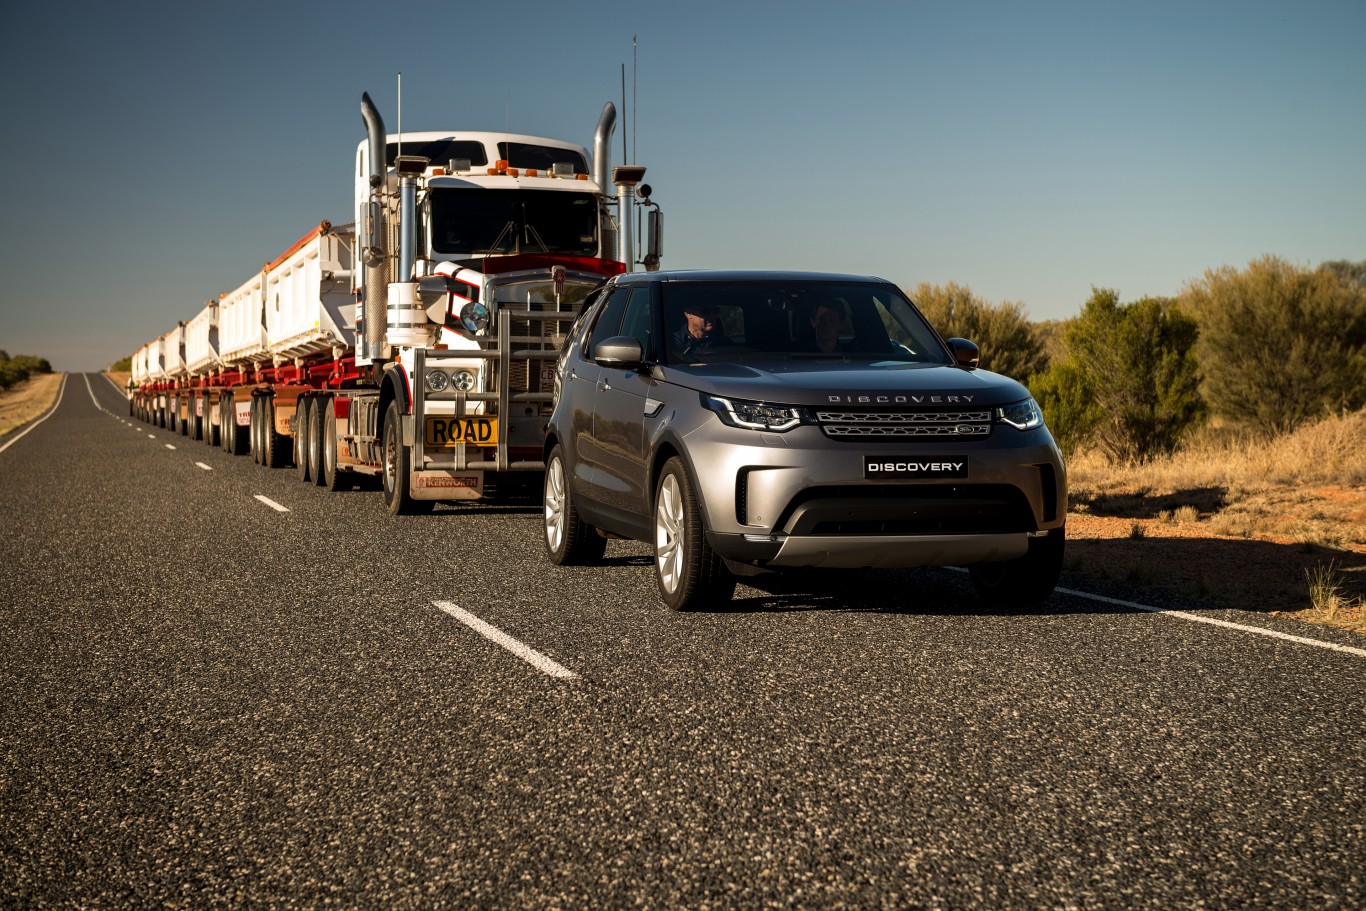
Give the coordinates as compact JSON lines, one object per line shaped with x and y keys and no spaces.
{"x":437,"y":380}
{"x":463,"y":380}
{"x":474,"y":316}
{"x":1021,"y":415}
{"x":755,"y":415}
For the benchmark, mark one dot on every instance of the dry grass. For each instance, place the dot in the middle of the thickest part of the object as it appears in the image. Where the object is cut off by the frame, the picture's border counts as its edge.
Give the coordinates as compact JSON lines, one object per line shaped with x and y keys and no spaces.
{"x":1235,"y":520}
{"x":28,"y":400}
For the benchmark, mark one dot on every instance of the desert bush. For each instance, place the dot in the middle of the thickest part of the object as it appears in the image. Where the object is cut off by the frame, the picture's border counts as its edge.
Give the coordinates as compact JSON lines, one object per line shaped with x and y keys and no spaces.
{"x":1069,"y":407}
{"x":1137,"y":362}
{"x":14,"y":370}
{"x":1008,"y":340}
{"x":1281,"y":345}
{"x":123,"y":365}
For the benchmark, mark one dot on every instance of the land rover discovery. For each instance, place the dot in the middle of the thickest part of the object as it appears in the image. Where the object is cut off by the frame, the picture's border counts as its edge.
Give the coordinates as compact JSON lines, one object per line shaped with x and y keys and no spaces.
{"x":743,"y":422}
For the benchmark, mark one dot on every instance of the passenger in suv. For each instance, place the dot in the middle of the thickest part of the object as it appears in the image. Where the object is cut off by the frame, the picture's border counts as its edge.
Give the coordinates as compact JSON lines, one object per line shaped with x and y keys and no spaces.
{"x":764,"y":449}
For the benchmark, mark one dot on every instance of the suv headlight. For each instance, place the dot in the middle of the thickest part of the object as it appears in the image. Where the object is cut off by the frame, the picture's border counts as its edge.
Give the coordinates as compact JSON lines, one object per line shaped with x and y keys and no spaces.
{"x":756,"y":415}
{"x":1021,"y":415}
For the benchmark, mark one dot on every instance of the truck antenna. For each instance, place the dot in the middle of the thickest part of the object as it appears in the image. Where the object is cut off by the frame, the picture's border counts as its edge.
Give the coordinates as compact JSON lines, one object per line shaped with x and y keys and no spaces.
{"x":624,"y":158}
{"x":635,"y":98}
{"x":400,"y":112}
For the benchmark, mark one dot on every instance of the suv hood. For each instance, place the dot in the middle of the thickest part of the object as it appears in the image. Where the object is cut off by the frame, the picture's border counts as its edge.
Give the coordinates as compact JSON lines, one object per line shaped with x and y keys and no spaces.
{"x":850,"y":383}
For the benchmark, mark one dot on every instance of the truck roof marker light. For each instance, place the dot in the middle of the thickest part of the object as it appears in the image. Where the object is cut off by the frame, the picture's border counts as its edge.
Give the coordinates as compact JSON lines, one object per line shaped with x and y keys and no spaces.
{"x":532,"y":172}
{"x":581,"y":176}
{"x":438,"y":172}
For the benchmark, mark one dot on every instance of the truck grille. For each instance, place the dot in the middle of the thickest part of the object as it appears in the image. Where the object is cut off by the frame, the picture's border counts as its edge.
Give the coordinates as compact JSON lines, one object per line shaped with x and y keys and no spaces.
{"x":874,"y":425}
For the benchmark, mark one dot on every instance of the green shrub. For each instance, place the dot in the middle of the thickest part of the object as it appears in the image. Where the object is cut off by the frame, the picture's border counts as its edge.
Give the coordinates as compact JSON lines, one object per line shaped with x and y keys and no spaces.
{"x":1008,"y":341}
{"x":1137,"y":362}
{"x":1281,"y":345}
{"x":1069,"y":407}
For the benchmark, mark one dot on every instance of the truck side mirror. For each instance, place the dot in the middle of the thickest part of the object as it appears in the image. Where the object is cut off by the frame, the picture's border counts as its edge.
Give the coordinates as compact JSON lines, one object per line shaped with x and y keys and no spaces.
{"x":654,"y":239}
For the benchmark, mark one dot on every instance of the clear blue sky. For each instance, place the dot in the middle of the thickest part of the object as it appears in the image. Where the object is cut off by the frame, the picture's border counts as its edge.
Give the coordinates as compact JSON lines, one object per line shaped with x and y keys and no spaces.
{"x":156,"y":154}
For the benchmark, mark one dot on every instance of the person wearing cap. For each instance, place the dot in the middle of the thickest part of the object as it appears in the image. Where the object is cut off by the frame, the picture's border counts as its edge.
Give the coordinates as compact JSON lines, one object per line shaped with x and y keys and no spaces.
{"x":701,"y":329}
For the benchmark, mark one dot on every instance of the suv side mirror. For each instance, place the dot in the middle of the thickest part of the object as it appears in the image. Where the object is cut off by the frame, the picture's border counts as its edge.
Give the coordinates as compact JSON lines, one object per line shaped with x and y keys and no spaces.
{"x":966,"y":353}
{"x":619,"y":351}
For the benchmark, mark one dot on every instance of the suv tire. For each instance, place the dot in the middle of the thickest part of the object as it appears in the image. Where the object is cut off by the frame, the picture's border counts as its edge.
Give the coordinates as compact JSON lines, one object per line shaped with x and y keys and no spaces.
{"x":1024,"y":581}
{"x":569,"y":541}
{"x":689,"y":573}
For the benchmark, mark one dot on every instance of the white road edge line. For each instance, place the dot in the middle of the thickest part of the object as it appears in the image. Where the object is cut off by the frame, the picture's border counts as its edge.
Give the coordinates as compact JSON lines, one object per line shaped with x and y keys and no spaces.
{"x":203,"y":466}
{"x":1196,"y":618}
{"x":271,"y":503}
{"x":497,"y":636}
{"x":50,"y":412}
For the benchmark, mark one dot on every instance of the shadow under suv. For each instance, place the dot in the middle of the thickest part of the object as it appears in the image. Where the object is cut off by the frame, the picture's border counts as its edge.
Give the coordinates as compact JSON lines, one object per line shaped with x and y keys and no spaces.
{"x":742,"y":422}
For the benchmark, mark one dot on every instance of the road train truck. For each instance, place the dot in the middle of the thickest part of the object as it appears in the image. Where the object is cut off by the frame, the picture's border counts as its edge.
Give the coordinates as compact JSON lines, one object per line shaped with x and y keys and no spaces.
{"x":417,"y":343}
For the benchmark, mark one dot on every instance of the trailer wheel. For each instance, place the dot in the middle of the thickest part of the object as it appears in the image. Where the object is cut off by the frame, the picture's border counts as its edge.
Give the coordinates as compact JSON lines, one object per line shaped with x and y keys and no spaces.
{"x":331,"y":474}
{"x":251,"y":433}
{"x":396,"y":461}
{"x":277,"y":445}
{"x":234,"y":437}
{"x":303,"y":425}
{"x":210,"y":422}
{"x":317,"y":426}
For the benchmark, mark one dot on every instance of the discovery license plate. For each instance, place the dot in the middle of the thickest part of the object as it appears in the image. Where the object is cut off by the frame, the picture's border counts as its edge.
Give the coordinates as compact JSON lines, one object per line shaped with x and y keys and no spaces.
{"x":472,"y":429}
{"x":896,"y":468}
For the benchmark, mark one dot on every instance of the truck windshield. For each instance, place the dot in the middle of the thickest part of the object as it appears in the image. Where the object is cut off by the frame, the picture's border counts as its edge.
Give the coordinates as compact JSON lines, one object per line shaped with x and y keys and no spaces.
{"x":478,"y":221}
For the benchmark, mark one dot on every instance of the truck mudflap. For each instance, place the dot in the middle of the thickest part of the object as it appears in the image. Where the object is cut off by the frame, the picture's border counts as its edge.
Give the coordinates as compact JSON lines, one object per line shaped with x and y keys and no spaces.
{"x":446,"y":484}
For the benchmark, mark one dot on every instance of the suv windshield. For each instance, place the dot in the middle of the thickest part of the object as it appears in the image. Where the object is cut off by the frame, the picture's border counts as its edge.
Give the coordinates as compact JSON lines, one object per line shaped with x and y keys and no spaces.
{"x":479,"y":221}
{"x":719,"y":322}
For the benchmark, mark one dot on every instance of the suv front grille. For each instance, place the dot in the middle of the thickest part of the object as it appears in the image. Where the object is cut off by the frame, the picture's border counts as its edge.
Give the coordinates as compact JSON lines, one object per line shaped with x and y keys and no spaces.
{"x":864,"y":425}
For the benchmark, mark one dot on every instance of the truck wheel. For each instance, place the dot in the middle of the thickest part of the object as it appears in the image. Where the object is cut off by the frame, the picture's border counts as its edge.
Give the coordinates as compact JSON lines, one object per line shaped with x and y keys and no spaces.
{"x":1024,"y":581}
{"x":396,"y":462}
{"x":303,"y":423}
{"x":689,"y":573}
{"x":569,"y":541}
{"x":331,"y":475}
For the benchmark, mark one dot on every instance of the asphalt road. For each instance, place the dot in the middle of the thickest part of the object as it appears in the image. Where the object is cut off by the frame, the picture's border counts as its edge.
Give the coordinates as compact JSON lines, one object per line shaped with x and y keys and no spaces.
{"x":209,"y":703}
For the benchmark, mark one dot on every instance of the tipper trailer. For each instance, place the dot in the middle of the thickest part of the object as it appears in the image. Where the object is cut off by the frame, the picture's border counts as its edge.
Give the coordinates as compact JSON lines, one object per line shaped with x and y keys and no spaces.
{"x":416,"y":343}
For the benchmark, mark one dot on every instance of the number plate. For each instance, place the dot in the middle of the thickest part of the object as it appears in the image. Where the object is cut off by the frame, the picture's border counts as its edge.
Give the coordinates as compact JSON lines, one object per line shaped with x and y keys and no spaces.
{"x":473,"y":429}
{"x":904,"y":467}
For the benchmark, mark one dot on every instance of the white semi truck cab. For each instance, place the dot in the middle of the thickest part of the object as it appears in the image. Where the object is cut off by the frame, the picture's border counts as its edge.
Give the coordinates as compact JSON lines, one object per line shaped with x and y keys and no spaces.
{"x":418,"y":342}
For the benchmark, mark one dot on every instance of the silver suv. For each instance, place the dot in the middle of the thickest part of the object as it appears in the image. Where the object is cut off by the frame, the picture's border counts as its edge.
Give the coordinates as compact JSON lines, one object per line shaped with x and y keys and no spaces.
{"x":744,"y":422}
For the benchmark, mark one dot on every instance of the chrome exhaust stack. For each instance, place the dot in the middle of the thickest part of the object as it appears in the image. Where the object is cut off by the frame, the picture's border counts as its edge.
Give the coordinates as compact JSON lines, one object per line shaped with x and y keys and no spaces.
{"x":602,"y":175}
{"x":374,"y":235}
